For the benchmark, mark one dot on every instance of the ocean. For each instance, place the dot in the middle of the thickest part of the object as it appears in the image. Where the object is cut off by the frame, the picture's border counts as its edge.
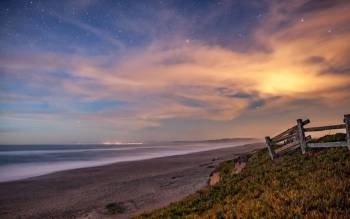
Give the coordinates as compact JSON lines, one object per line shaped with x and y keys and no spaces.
{"x":25,"y":161}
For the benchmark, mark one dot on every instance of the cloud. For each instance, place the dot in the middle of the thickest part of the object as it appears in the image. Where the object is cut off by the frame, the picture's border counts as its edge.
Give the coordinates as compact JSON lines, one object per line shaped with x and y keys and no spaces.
{"x":316,"y":5}
{"x":177,"y":79}
{"x":315,"y":60}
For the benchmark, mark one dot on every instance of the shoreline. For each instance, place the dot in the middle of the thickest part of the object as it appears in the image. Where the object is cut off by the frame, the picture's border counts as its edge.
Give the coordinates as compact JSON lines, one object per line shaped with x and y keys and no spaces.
{"x":10,"y":172}
{"x":140,"y":185}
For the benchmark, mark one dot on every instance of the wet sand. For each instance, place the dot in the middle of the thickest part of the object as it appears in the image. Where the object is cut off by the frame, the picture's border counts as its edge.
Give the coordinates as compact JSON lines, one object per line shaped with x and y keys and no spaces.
{"x":139,"y":185}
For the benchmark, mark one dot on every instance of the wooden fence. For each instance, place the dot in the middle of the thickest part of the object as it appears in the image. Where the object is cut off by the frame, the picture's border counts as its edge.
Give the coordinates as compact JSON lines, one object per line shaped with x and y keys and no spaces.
{"x":295,"y":137}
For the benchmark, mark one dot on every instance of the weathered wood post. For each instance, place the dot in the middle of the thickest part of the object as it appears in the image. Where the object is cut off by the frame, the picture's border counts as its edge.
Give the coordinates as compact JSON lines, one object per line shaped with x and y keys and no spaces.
{"x":301,"y":135}
{"x":269,"y":146}
{"x":347,"y":125}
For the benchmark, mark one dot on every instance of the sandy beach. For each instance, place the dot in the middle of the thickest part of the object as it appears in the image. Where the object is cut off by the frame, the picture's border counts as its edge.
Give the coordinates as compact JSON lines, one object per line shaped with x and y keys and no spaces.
{"x":139,"y":185}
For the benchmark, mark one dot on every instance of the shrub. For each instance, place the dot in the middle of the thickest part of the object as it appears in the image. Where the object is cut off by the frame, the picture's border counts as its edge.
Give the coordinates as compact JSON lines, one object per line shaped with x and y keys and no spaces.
{"x":115,"y":208}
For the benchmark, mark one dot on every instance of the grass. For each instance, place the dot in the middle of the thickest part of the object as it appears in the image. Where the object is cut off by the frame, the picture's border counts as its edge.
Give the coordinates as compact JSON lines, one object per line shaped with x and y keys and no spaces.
{"x":316,"y":185}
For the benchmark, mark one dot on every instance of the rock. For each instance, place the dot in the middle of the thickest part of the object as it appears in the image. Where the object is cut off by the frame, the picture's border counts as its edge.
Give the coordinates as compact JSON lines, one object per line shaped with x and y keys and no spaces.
{"x":214,"y":179}
{"x":239,"y":166}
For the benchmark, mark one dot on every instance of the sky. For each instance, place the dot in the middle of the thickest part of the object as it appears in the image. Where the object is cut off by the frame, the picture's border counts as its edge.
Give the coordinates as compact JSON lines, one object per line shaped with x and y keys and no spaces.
{"x":88,"y":71}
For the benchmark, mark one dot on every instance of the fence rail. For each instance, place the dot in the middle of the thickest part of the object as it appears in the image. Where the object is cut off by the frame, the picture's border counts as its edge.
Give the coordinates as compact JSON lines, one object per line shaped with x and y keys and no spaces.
{"x":325,"y":128}
{"x":294,"y":138}
{"x":328,"y":144}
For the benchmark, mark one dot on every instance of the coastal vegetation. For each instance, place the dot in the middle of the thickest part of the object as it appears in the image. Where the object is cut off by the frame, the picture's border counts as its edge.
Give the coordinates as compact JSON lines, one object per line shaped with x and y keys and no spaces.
{"x":314,"y":185}
{"x":115,"y":208}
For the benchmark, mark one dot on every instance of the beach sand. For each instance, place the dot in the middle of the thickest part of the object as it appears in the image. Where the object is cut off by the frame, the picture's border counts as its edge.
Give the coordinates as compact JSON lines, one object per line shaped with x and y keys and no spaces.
{"x":139,"y":185}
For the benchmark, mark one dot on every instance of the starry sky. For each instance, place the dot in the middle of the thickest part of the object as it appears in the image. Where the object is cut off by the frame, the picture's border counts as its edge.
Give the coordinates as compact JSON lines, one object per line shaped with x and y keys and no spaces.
{"x":88,"y":71}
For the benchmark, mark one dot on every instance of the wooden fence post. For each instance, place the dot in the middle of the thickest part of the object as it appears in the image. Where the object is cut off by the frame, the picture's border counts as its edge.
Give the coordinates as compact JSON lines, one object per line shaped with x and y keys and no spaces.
{"x":301,"y":135}
{"x":269,"y":146}
{"x":347,"y":125}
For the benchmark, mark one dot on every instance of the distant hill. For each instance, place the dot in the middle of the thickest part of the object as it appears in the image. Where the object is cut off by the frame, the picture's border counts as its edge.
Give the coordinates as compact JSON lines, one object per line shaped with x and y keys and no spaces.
{"x":222,"y":140}
{"x":332,"y":138}
{"x":209,"y":141}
